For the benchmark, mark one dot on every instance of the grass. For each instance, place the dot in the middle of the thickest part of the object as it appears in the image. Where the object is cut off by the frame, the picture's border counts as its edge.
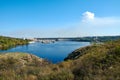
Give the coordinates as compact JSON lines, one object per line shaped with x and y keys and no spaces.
{"x":95,"y":62}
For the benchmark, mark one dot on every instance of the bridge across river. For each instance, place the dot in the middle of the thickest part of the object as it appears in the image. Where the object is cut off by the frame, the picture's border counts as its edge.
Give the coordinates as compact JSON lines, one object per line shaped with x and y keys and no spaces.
{"x":57,"y":39}
{"x":82,"y":39}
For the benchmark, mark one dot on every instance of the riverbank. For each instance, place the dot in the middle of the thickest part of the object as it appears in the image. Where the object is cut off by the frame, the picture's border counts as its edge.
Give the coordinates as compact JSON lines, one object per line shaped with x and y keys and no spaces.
{"x":9,"y":42}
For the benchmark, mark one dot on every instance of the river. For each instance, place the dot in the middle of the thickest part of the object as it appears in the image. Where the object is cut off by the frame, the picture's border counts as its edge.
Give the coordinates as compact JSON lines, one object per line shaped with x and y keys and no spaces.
{"x":54,"y":52}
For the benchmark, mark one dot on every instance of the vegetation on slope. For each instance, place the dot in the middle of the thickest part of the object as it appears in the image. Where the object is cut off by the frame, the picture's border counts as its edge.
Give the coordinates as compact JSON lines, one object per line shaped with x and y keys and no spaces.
{"x":95,"y":62}
{"x":7,"y":42}
{"x":97,"y":38}
{"x":20,"y":66}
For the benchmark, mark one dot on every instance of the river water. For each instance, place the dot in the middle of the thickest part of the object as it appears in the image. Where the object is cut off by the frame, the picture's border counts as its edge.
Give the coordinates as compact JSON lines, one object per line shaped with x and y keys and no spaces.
{"x":54,"y":52}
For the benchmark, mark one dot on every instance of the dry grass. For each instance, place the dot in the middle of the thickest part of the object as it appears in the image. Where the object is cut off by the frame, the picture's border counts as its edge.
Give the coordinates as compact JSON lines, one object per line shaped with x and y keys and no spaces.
{"x":96,"y":62}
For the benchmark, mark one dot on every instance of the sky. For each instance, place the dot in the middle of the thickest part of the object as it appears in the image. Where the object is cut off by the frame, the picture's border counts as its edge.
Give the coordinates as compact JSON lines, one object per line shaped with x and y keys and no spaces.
{"x":59,"y":18}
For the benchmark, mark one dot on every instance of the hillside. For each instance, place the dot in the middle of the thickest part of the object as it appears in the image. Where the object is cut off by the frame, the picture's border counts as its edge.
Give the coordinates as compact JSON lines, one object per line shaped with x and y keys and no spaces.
{"x":20,"y":66}
{"x":96,"y":38}
{"x":8,"y":42}
{"x":95,"y":62}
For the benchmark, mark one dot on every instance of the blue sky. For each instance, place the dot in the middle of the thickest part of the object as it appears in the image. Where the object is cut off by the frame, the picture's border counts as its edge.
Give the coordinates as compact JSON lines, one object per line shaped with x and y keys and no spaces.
{"x":59,"y":18}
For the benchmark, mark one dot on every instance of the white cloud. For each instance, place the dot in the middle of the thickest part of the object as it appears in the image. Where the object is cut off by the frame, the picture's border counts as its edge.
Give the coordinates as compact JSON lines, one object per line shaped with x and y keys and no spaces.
{"x":105,"y":21}
{"x":88,"y":15}
{"x":93,"y":25}
{"x":90,"y":19}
